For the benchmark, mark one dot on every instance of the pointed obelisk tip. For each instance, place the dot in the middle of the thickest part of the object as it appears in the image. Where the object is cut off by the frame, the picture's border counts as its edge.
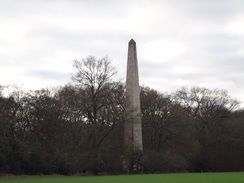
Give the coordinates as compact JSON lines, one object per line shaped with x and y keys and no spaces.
{"x":132,"y":41}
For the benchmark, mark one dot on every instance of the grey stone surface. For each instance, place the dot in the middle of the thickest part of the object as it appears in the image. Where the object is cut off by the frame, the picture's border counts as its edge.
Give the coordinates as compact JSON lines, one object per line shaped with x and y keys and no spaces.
{"x":133,"y":127}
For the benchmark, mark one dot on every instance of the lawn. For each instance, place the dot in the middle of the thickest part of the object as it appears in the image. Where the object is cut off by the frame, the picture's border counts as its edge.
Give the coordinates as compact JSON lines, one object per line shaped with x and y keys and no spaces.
{"x":235,"y":177}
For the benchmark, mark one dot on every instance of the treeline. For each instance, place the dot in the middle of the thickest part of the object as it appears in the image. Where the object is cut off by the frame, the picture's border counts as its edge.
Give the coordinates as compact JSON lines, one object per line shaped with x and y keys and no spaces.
{"x":78,"y":128}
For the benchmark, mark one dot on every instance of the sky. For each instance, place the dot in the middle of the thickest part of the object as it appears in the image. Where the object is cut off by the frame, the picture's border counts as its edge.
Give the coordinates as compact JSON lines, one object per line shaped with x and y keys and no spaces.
{"x":180,"y":43}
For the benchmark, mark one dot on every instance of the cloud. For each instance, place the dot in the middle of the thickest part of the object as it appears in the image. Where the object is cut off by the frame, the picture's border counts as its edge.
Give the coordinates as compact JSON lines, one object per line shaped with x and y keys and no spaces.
{"x":179,"y":43}
{"x":47,"y":74}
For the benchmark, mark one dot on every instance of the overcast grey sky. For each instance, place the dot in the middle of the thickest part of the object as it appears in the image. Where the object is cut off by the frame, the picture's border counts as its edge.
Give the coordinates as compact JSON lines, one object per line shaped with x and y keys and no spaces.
{"x":179,"y":42}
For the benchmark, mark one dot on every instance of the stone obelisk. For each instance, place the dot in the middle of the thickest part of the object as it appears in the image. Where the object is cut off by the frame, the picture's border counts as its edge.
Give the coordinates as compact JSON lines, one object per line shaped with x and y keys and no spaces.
{"x":133,"y":126}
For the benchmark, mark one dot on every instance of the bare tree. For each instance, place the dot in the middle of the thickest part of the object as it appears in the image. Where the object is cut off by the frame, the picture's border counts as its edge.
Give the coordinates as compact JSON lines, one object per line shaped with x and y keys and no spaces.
{"x":93,"y":78}
{"x":168,"y":133}
{"x":93,"y":73}
{"x":205,"y":104}
{"x":209,"y":108}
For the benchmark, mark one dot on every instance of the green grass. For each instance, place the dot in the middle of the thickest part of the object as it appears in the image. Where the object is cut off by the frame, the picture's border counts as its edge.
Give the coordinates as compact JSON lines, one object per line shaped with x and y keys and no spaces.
{"x":235,"y":177}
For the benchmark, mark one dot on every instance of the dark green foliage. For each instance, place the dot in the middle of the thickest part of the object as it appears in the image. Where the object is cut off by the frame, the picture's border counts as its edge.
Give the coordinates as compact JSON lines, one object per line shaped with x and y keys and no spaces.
{"x":35,"y":161}
{"x":136,"y":162}
{"x":4,"y":148}
{"x":60,"y":163}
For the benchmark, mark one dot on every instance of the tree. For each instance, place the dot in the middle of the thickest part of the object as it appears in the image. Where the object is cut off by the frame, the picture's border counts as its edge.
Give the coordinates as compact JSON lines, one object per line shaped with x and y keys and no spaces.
{"x":93,"y":73}
{"x":168,"y":133}
{"x":209,"y":108}
{"x":99,"y":103}
{"x":207,"y":105}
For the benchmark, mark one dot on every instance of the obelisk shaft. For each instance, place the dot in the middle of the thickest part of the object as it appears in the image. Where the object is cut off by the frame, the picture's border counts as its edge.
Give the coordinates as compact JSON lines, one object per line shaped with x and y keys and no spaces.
{"x":133,"y":127}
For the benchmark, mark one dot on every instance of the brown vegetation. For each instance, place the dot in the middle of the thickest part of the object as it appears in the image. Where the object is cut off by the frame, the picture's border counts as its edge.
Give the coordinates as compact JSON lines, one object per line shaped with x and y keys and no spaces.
{"x":78,"y":128}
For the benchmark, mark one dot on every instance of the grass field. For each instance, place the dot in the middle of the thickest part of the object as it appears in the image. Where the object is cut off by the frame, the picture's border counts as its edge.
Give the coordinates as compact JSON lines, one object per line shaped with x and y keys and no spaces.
{"x":157,"y":178}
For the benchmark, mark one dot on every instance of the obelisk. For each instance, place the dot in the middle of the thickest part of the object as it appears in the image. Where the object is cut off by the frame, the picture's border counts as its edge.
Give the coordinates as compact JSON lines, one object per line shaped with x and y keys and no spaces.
{"x":132,"y":126}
